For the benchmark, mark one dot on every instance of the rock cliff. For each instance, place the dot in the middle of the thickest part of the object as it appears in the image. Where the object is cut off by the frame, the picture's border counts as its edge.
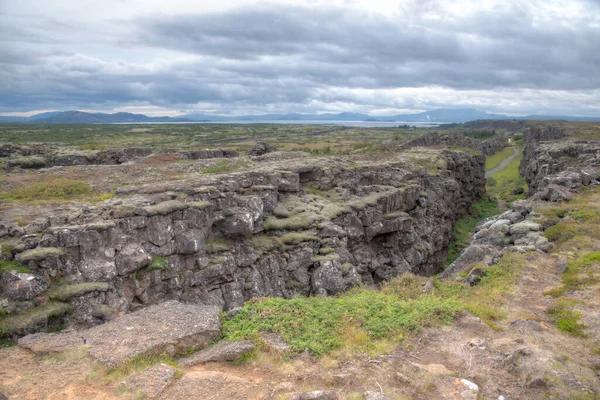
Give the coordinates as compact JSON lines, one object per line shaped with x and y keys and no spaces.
{"x":554,"y":164}
{"x":308,"y":226}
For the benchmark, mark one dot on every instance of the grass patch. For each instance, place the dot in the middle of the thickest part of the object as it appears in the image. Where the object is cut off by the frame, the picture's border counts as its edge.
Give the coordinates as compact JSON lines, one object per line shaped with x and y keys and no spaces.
{"x":6,"y":266}
{"x":28,"y":161}
{"x":56,"y":189}
{"x":223,"y":167}
{"x":36,"y":317}
{"x":566,"y":318}
{"x":298,"y":237}
{"x":214,"y":246}
{"x":263,"y":243}
{"x":507,"y":180}
{"x":64,"y":293}
{"x":366,"y":318}
{"x":495,"y":159}
{"x":138,"y":364}
{"x":581,"y":272}
{"x":464,"y":227}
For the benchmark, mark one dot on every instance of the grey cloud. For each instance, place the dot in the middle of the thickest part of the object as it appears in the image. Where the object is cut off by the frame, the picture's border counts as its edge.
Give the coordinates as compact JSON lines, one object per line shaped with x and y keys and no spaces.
{"x":293,"y":56}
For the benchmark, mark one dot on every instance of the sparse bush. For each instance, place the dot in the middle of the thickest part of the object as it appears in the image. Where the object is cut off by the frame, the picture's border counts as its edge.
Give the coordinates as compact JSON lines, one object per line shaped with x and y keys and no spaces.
{"x":55,"y":189}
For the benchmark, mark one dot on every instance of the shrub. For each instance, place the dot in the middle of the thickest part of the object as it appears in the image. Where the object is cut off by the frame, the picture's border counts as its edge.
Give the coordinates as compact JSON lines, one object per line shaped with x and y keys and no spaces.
{"x":55,"y":189}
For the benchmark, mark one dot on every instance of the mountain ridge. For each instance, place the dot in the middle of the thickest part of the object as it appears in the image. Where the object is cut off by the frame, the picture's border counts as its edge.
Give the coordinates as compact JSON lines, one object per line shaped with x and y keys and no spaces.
{"x":443,"y":115}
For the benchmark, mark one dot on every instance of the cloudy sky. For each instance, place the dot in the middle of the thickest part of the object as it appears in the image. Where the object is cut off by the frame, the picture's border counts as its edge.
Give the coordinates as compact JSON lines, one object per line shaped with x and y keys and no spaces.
{"x":250,"y":57}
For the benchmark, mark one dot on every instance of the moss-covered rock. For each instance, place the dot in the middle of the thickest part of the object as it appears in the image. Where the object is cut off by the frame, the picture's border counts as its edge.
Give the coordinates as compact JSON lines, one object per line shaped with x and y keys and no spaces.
{"x":64,"y":293}
{"x":38,"y":254}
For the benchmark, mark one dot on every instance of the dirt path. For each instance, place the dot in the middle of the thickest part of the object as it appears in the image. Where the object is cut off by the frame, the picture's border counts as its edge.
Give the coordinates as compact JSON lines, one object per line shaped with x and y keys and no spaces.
{"x":503,"y":164}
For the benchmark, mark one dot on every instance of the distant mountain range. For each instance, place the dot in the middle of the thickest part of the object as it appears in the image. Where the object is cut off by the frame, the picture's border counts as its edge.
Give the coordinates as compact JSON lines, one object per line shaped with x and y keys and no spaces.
{"x":447,"y":115}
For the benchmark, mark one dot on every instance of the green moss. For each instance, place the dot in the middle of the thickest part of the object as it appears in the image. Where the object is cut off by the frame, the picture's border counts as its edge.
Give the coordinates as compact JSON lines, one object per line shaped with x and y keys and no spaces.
{"x":326,"y":258}
{"x":29,"y":161}
{"x":7,"y":247}
{"x":263,"y":243}
{"x":298,"y":237}
{"x":296,"y":222}
{"x":567,"y":319}
{"x":326,"y":250}
{"x":166,"y":207}
{"x":224,"y":166}
{"x":280,"y":211}
{"x":582,"y":271}
{"x":64,"y":293}
{"x":52,"y":189}
{"x":35,"y":317}
{"x":213,"y":246}
{"x":465,"y":226}
{"x":38,"y":254}
{"x":12,"y":265}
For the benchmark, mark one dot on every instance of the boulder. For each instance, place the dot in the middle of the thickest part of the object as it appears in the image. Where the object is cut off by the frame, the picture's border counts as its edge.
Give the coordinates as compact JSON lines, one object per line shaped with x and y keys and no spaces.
{"x":222,"y":351}
{"x":131,"y":258}
{"x":328,"y":279}
{"x":153,"y":381}
{"x":169,"y":327}
{"x":22,"y":286}
{"x":261,"y":148}
{"x":315,"y":395}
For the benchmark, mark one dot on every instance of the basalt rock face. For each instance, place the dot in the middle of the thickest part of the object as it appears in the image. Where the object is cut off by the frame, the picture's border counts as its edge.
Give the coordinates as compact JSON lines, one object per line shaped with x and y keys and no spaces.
{"x":486,"y":147}
{"x":554,"y":164}
{"x":306,"y":226}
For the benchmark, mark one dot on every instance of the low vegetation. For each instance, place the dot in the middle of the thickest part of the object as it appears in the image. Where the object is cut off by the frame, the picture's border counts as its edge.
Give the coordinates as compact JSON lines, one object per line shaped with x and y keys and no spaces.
{"x":495,"y":159}
{"x":12,"y":266}
{"x":506,"y":183}
{"x":56,"y":189}
{"x":465,"y":226}
{"x":401,"y":307}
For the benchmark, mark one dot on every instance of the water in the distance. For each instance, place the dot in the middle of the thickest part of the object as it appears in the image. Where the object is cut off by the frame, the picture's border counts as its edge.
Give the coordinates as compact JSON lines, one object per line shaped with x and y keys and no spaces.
{"x":363,"y":124}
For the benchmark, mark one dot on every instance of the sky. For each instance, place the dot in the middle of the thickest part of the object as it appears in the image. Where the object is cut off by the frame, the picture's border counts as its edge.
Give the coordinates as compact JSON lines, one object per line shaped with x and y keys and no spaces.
{"x":236,"y":57}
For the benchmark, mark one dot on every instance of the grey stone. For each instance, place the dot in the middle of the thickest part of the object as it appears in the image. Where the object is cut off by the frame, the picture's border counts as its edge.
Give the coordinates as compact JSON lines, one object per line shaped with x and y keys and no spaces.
{"x":169,"y":327}
{"x":153,"y":381}
{"x":131,"y":258}
{"x":371,"y":395}
{"x":222,"y":351}
{"x":315,"y":395}
{"x":22,"y":286}
{"x":328,"y":279}
{"x":48,"y":343}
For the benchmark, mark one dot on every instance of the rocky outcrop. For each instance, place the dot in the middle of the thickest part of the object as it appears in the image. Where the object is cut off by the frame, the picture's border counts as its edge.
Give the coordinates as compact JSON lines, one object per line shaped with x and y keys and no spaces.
{"x":305,"y":227}
{"x":261,"y":148}
{"x":168,"y":328}
{"x":486,"y":147}
{"x":44,"y":156}
{"x":554,"y":164}
{"x":513,"y":230}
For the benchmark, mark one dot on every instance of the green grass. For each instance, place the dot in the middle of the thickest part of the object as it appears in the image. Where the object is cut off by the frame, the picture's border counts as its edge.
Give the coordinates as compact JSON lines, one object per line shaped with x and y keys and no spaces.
{"x":463,"y":230}
{"x":223,"y":167}
{"x":399,"y":308}
{"x":566,"y":318}
{"x":56,"y":189}
{"x":507,"y":180}
{"x":495,"y":159}
{"x":581,"y":272}
{"x":13,"y":265}
{"x":138,"y":364}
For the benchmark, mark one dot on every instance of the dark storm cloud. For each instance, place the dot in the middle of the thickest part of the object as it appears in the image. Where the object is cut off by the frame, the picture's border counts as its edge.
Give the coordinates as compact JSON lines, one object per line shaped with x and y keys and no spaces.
{"x":279,"y":54}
